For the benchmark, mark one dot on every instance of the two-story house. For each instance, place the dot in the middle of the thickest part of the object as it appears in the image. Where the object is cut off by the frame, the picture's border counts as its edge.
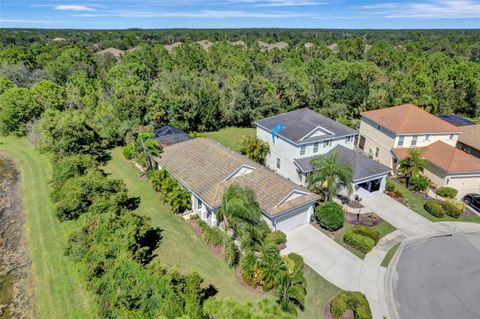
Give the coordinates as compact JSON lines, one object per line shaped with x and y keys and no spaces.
{"x":387,"y":135}
{"x":469,"y":140}
{"x":296,"y":137}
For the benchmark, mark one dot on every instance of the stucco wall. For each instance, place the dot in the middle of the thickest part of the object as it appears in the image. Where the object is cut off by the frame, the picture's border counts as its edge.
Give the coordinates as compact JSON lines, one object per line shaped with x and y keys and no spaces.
{"x":383,"y":139}
{"x":422,"y":141}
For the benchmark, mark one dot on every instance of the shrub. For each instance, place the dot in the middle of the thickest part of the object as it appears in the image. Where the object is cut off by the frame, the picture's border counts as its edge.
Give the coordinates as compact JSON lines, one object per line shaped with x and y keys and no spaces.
{"x":453,"y":208}
{"x":231,"y":253}
{"x":448,"y":192}
{"x":350,"y":300}
{"x":419,"y":183}
{"x":390,"y":186}
{"x":128,"y":151}
{"x":359,"y":242}
{"x":248,"y":270}
{"x":213,"y":236}
{"x":434,"y":207}
{"x":367,"y":231}
{"x":330,"y":216}
{"x":278,"y":237}
{"x":156,"y":177}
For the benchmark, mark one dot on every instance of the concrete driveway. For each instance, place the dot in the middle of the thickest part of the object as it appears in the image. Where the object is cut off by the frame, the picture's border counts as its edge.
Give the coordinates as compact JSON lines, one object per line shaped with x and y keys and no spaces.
{"x":400,"y":216}
{"x":325,"y":256}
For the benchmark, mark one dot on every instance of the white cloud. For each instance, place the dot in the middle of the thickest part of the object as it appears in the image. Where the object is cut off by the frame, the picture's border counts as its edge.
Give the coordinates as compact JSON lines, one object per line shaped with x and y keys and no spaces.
{"x":28,"y":21}
{"x":218,"y":14}
{"x":73,"y":7}
{"x":434,"y":9}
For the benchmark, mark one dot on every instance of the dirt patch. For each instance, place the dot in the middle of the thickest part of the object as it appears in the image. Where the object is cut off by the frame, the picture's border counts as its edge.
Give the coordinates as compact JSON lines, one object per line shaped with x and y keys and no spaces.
{"x":15,"y":276}
{"x":368,"y":219}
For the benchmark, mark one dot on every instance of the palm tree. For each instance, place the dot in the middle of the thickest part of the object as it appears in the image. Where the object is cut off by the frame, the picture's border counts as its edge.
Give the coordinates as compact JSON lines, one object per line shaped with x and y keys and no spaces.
{"x":291,"y":290}
{"x":412,"y":165}
{"x":329,"y":171}
{"x":144,"y":147}
{"x":270,"y":263}
{"x":238,"y":206}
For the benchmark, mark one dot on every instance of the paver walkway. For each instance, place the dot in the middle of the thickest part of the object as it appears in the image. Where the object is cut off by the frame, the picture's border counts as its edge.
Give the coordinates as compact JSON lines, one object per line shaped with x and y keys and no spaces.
{"x":349,"y":272}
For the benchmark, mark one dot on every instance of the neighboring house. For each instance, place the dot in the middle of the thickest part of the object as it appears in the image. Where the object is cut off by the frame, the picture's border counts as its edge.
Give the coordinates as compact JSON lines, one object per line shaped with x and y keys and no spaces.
{"x":402,"y":126}
{"x":390,"y":133}
{"x":206,"y":168}
{"x":169,"y":135}
{"x":456,"y":120}
{"x":469,"y":140}
{"x":296,"y":137}
{"x":449,"y":166}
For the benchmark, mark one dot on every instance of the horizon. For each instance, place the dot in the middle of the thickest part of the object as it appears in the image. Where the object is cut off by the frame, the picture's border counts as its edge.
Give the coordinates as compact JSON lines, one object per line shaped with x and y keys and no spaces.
{"x":241,"y":14}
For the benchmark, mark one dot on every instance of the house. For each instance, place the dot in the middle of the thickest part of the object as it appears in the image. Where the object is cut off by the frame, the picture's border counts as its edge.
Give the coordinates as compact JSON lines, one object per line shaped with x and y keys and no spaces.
{"x":402,"y":126}
{"x":206,"y":168}
{"x":449,"y":166}
{"x":469,"y":140}
{"x":169,"y":135}
{"x":390,"y":133}
{"x":297,"y":137}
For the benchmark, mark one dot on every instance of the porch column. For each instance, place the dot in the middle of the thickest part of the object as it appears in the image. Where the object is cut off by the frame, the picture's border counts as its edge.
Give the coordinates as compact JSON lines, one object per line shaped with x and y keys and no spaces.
{"x":193,"y":202}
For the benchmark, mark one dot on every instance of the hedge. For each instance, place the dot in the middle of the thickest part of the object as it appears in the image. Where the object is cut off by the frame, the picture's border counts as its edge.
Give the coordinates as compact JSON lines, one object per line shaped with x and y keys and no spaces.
{"x":367,"y":231}
{"x":278,"y":237}
{"x":434,"y":207}
{"x":419,"y":183}
{"x":128,"y":152}
{"x":330,"y":216}
{"x":390,"y":187}
{"x":350,"y":300}
{"x":448,"y":192}
{"x":359,"y":242}
{"x":453,"y":208}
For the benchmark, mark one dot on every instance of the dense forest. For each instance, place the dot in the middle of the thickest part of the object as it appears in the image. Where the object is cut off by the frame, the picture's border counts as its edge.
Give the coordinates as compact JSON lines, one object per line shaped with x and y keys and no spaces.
{"x":231,"y":79}
{"x":76,"y":94}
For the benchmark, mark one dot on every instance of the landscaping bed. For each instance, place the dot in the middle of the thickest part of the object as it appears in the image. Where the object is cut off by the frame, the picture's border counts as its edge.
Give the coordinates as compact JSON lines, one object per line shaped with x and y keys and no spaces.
{"x":417,"y":203}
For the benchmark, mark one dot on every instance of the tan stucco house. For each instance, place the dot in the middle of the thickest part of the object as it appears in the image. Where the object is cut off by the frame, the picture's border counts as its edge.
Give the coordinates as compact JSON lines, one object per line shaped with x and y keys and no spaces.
{"x":387,"y":134}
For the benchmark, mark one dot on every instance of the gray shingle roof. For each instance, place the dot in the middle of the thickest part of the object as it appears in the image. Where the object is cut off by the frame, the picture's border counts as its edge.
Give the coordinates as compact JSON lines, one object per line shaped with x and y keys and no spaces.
{"x":300,"y":123}
{"x":363,"y":166}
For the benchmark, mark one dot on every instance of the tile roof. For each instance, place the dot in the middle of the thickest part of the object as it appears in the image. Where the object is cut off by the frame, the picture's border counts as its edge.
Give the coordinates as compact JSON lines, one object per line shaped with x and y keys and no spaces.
{"x":362,"y":166}
{"x":446,"y":157}
{"x":409,"y":119}
{"x":168,"y":135}
{"x":470,"y":136}
{"x":204,"y":166}
{"x":301,"y":122}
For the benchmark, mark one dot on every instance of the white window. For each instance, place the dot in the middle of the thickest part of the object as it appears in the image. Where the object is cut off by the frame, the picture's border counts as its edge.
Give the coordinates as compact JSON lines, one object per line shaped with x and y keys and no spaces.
{"x":327,"y":143}
{"x":199,"y":203}
{"x":278,"y":163}
{"x":303,"y":149}
{"x":401,"y":139}
{"x":348,"y":139}
{"x":414,"y":140}
{"x":315,"y":147}
{"x":427,"y":137}
{"x":377,"y":151}
{"x":450,"y":137}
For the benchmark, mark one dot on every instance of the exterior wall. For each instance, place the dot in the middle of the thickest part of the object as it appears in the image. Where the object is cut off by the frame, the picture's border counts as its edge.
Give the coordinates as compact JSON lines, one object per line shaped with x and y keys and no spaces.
{"x":287,"y":152}
{"x":421,"y":141}
{"x":468,"y":149}
{"x":436,"y":175}
{"x":466,"y":183}
{"x":383,"y":139}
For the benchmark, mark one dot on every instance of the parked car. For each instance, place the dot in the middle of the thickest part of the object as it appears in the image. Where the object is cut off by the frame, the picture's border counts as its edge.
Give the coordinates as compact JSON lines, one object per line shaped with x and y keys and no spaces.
{"x":472,"y":200}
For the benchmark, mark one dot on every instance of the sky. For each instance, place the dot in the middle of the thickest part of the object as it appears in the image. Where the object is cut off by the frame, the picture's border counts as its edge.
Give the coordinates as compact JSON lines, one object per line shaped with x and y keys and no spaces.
{"x":341,"y":14}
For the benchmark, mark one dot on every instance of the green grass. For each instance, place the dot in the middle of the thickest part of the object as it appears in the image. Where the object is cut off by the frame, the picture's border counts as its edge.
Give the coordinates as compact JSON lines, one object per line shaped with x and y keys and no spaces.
{"x":388,"y":257}
{"x":383,"y":228}
{"x":319,"y":292}
{"x":184,"y":250}
{"x":59,"y":291}
{"x":416,"y":203}
{"x":231,"y":136}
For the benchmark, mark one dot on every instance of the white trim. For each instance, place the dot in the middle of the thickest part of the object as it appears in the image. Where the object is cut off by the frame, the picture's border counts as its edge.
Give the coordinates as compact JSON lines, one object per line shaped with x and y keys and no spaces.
{"x":237,"y":170}
{"x":291,"y":193}
{"x":316,"y":129}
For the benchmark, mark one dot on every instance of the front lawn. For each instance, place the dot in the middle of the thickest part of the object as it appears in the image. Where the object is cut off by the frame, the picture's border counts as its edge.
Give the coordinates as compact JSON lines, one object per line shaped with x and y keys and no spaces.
{"x":383,"y":228}
{"x":416,"y":203}
{"x":231,"y":136}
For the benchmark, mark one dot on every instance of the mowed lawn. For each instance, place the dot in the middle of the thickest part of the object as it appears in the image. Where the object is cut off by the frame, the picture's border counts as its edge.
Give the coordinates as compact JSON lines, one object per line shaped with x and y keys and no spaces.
{"x":231,"y":136}
{"x":59,"y":291}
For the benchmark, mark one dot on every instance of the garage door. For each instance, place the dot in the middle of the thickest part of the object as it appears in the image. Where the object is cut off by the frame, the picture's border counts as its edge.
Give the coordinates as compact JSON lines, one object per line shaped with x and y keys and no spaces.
{"x":465,"y":184}
{"x":293,"y":220}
